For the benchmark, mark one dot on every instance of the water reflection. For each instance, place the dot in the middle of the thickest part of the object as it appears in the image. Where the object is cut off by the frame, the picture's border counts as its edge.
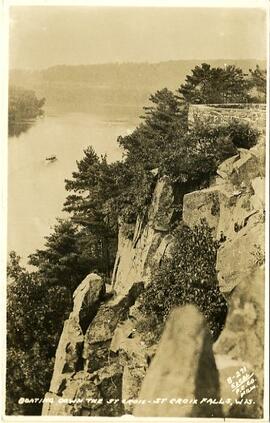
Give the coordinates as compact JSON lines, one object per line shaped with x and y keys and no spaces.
{"x":15,"y":129}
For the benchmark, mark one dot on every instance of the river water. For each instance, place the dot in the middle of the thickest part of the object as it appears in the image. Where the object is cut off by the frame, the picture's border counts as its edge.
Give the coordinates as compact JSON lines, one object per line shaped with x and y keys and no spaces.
{"x":36,"y":189}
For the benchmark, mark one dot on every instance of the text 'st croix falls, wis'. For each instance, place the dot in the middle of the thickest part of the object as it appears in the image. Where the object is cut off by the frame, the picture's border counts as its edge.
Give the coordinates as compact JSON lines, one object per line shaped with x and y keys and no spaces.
{"x":137,"y":156}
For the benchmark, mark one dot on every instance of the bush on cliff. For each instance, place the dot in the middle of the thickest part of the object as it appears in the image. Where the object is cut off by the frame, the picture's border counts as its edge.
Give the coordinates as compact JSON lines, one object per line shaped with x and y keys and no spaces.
{"x":242,"y":134}
{"x":188,"y":276}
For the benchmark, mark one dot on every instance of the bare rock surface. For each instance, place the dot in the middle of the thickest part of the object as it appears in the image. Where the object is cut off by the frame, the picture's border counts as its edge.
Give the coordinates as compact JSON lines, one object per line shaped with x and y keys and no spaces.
{"x":137,"y":256}
{"x":161,"y":210}
{"x":236,"y":258}
{"x":183,"y":367}
{"x":242,"y":342}
{"x":99,"y":335}
{"x":87,"y":298}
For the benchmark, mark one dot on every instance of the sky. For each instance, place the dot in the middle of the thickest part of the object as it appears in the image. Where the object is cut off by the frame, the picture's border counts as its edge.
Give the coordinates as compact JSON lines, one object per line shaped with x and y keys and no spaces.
{"x":43,"y":36}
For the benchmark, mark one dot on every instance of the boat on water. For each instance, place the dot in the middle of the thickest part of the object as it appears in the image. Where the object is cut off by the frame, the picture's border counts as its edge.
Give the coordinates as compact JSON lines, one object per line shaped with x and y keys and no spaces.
{"x":51,"y":158}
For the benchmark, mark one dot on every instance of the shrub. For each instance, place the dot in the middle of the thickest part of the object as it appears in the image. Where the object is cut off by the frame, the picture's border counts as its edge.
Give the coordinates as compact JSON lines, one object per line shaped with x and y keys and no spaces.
{"x":242,"y":134}
{"x":188,"y":277}
{"x":196,"y":156}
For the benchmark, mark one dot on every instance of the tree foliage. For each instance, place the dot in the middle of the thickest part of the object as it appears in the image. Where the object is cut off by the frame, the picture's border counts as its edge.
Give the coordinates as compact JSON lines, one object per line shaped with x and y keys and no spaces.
{"x":23,"y":104}
{"x":221,"y":85}
{"x":34,"y":323}
{"x":38,"y":302}
{"x":93,"y":186}
{"x":63,"y":252}
{"x":258,"y":81}
{"x":188,"y":276}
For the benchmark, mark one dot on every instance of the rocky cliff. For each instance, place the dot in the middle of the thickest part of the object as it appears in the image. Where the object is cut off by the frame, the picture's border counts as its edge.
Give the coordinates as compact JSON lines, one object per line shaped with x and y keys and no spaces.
{"x":104,"y":366}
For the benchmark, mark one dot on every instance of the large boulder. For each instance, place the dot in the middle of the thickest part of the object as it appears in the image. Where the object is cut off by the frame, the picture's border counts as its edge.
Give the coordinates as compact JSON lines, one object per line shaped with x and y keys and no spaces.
{"x":87,"y":298}
{"x":242,"y":344}
{"x":183,"y":367}
{"x":258,"y":198}
{"x":236,"y":257}
{"x":225,"y":169}
{"x":135,"y":348}
{"x":53,"y":406}
{"x":246,"y":168}
{"x":85,"y":394}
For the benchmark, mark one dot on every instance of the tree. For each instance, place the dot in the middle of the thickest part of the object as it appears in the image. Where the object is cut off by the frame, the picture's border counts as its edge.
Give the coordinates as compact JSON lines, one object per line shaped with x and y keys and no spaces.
{"x":164,"y":120}
{"x":258,"y":84}
{"x":93,"y":186}
{"x":215,"y":85}
{"x":23,"y":105}
{"x":38,"y":302}
{"x":65,"y":260}
{"x":34,"y":324}
{"x":167,"y":115}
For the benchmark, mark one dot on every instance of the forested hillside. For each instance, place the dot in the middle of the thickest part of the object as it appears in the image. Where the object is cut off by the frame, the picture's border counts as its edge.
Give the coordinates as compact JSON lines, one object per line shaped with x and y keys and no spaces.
{"x":95,"y":87}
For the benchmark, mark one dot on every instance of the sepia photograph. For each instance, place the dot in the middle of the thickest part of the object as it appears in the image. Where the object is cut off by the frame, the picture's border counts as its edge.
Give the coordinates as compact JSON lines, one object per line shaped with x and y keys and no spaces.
{"x":136,"y":174}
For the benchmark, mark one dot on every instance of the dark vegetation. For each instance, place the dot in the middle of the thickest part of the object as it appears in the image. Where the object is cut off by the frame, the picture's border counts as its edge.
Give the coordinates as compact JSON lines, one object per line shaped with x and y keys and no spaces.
{"x":101,"y":194}
{"x":224,"y":85}
{"x":187,"y":277}
{"x":23,"y":106}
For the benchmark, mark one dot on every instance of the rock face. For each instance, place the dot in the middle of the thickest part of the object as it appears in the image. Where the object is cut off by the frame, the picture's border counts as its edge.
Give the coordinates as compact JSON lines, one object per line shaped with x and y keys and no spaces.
{"x":87,"y":298}
{"x":88,"y":373}
{"x":237,"y":197}
{"x":241,"y":343}
{"x":183,"y":367}
{"x":136,"y":257}
{"x":108,"y":359}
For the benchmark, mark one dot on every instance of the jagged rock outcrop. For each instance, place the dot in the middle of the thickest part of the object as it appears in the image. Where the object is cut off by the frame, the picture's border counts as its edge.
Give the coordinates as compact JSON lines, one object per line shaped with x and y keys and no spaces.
{"x":86,"y":369}
{"x":68,"y":360}
{"x":241,"y":343}
{"x":136,"y":257}
{"x":99,"y":335}
{"x":234,"y":207}
{"x":86,"y":299}
{"x":183,"y":368}
{"x":107,"y":351}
